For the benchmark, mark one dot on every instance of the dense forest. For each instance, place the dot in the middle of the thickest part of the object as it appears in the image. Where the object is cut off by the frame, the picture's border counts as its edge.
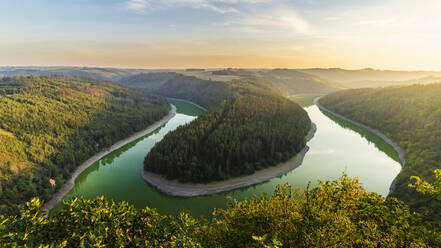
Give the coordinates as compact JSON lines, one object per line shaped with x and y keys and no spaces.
{"x":51,"y":124}
{"x":252,"y":129}
{"x":334,"y":214}
{"x":209,"y":94}
{"x":410,"y":116}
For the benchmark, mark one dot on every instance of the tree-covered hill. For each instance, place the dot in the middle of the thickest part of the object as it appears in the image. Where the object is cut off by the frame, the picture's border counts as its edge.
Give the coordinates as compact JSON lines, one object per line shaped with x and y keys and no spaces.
{"x":206,"y":93}
{"x":371,"y":78}
{"x":335,"y":214}
{"x":410,"y":116}
{"x":101,"y":73}
{"x":51,"y":124}
{"x":249,"y":126}
{"x":252,"y":129}
{"x":285,"y":81}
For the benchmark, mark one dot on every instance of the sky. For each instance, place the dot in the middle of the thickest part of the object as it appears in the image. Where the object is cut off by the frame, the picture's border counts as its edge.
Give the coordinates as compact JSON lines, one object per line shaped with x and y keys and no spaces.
{"x":352,"y":34}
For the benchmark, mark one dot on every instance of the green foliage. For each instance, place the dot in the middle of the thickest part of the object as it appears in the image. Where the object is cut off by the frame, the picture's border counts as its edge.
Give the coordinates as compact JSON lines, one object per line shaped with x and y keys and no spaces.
{"x":206,"y":93}
{"x":410,"y":116}
{"x":426,"y":188}
{"x":96,"y":223}
{"x":252,"y":129}
{"x":55,"y":123}
{"x":335,"y":214}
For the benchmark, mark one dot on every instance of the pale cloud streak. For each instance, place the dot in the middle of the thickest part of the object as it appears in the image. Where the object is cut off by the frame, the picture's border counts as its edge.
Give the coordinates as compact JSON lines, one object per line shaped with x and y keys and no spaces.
{"x":255,"y":15}
{"x":286,"y":19}
{"x":269,"y":19}
{"x":137,"y":5}
{"x":219,"y":6}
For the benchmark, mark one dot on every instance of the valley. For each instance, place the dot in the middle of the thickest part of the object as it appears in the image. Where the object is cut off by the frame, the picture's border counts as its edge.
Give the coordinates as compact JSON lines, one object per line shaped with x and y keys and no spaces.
{"x":220,"y":124}
{"x":193,"y":162}
{"x":117,"y":176}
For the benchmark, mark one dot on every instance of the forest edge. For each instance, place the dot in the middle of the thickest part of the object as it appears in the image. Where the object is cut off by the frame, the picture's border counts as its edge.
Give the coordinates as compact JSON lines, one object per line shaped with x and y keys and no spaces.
{"x":67,"y":187}
{"x":394,"y":145}
{"x":176,"y":188}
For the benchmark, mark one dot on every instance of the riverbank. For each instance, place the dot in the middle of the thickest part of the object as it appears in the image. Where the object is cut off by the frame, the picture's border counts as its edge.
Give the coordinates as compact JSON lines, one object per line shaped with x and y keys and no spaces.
{"x":395,"y":146}
{"x":175,"y":188}
{"x":182,"y":100}
{"x":67,"y":187}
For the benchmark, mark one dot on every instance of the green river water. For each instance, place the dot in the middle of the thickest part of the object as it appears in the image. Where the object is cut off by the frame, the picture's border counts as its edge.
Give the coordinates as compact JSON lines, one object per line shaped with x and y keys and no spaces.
{"x":338,"y":147}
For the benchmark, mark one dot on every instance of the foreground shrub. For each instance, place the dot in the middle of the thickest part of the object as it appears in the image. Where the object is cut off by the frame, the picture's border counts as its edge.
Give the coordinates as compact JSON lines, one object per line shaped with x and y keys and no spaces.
{"x":334,"y":214}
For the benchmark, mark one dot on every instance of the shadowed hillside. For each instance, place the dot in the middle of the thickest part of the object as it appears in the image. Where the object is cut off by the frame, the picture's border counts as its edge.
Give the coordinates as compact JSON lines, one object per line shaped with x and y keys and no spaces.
{"x":206,"y":93}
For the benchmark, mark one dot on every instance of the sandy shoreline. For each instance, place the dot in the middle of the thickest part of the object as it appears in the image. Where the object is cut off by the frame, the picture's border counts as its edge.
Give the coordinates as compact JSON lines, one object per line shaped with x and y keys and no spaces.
{"x":67,"y":187}
{"x":394,"y":145}
{"x":175,"y":188}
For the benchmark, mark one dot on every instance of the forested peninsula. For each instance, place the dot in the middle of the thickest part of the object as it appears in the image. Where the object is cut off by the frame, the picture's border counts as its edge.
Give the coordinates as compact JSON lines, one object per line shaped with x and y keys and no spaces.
{"x":251,"y":127}
{"x":51,"y":124}
{"x":411,"y":117}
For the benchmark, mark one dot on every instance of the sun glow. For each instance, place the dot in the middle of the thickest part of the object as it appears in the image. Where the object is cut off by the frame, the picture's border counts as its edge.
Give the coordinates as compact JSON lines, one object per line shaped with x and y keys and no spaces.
{"x":388,"y":34}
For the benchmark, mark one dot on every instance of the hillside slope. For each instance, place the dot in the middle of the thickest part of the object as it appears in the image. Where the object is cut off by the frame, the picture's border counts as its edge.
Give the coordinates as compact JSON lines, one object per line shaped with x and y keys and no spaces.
{"x":50,"y":124}
{"x":252,"y":128}
{"x":410,"y":116}
{"x":370,"y":78}
{"x":285,"y":81}
{"x":206,"y":93}
{"x":101,"y":73}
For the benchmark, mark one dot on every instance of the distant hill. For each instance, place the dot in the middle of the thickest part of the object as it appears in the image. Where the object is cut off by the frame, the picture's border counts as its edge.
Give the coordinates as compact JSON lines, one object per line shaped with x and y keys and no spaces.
{"x":285,"y":81}
{"x":112,"y":74}
{"x":375,"y":84}
{"x":294,"y":82}
{"x":370,"y":78}
{"x":206,"y":93}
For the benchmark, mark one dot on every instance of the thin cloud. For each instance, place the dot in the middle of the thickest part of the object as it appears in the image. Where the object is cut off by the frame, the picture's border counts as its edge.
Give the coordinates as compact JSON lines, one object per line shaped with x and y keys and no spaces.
{"x":137,"y":5}
{"x":246,"y":14}
{"x":278,"y":18}
{"x":220,"y":6}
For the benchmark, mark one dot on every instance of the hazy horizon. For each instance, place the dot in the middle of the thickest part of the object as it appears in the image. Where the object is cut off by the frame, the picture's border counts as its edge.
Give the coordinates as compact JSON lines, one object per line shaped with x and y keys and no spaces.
{"x":179,"y":34}
{"x":212,"y":68}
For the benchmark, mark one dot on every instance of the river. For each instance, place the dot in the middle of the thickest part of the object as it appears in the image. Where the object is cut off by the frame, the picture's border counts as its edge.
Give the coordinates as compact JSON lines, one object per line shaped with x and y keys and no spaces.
{"x":337,"y":147}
